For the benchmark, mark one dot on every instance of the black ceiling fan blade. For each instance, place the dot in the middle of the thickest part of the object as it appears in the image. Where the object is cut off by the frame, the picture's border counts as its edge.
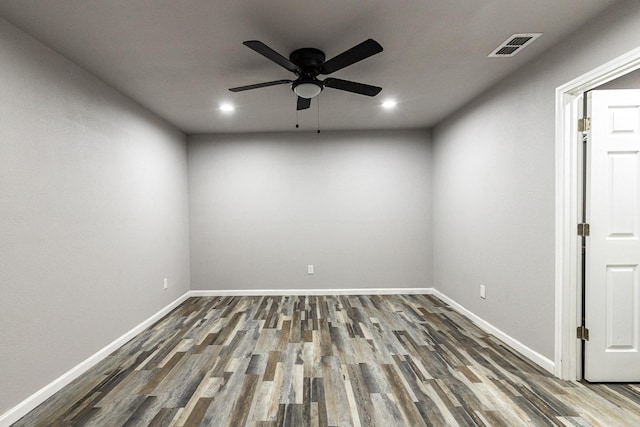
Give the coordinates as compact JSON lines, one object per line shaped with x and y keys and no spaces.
{"x":259,"y":85}
{"x":357,"y":53}
{"x":355,"y":87}
{"x":303,"y":103}
{"x":271,"y":54}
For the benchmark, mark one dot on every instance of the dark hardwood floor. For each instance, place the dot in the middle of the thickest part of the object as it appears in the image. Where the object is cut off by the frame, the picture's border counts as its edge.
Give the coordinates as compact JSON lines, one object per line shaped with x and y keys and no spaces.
{"x":326,"y":361}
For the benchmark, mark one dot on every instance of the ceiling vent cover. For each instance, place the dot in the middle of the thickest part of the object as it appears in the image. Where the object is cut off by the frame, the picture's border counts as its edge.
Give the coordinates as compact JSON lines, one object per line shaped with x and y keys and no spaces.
{"x":513,"y":45}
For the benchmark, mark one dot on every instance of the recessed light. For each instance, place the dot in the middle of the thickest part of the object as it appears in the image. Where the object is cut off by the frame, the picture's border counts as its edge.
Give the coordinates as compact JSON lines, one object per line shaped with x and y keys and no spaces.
{"x":227,"y":108}
{"x":389,"y":104}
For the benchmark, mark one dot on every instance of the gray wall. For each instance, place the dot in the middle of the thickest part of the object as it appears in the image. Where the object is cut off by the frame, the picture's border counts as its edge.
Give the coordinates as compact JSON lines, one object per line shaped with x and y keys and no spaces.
{"x":355,"y":205}
{"x":93,"y":215}
{"x":494,"y":171}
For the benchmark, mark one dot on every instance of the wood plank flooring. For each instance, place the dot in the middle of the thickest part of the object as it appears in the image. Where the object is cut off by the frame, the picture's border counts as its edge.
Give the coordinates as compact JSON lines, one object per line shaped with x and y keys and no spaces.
{"x":326,"y":361}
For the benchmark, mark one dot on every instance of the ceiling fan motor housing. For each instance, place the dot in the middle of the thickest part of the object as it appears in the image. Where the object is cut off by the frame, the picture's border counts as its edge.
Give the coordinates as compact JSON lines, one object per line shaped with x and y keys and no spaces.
{"x":308,"y":59}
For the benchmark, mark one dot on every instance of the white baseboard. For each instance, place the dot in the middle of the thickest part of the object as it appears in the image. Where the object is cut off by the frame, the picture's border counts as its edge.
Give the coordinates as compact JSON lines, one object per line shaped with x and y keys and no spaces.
{"x":354,"y":291}
{"x":535,"y":357}
{"x":31,"y":402}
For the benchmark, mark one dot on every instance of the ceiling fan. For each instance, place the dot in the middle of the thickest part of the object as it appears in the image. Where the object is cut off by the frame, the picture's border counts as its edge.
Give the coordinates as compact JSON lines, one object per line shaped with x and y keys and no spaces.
{"x":308,"y":63}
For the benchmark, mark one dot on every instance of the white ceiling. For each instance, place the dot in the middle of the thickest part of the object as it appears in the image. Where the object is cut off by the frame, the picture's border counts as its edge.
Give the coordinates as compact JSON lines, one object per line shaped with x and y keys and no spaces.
{"x":179,"y":57}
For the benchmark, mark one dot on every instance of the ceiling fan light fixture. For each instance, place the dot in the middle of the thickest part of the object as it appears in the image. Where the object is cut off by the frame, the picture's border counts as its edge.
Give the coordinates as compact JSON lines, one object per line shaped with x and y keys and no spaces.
{"x":307,"y":89}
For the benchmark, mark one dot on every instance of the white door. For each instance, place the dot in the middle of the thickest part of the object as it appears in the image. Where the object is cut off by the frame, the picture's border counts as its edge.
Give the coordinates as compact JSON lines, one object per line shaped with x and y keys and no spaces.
{"x":612,"y":292}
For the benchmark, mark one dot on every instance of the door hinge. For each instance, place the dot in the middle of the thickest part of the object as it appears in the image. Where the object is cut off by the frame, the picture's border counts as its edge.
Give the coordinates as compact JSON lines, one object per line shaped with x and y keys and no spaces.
{"x":582,"y":333}
{"x":584,"y":124}
{"x":583,"y":230}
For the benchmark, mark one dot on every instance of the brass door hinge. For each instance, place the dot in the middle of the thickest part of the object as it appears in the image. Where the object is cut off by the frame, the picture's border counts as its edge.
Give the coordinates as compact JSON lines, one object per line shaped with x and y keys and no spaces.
{"x":584,"y":230}
{"x":582,"y":333}
{"x":584,"y":124}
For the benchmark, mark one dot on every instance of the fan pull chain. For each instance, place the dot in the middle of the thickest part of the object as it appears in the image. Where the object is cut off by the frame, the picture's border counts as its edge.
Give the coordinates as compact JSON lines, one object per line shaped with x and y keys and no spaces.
{"x":297,"y":124}
{"x":318,"y":113}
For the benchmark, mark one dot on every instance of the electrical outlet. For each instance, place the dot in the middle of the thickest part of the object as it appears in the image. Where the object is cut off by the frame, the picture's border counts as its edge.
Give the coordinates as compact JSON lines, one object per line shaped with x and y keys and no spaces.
{"x":310,"y":269}
{"x":483,"y":292}
{"x":166,"y":283}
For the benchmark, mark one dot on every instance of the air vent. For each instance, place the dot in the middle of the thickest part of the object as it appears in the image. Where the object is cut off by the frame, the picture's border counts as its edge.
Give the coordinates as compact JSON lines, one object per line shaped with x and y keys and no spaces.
{"x":513,"y":45}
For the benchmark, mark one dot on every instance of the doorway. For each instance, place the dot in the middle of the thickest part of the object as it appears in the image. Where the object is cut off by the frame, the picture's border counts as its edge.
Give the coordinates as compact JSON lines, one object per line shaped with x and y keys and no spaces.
{"x":569,"y":98}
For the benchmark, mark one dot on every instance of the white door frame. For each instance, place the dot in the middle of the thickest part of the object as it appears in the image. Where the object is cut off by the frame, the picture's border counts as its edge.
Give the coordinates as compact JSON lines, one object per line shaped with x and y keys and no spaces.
{"x":567,"y":307}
